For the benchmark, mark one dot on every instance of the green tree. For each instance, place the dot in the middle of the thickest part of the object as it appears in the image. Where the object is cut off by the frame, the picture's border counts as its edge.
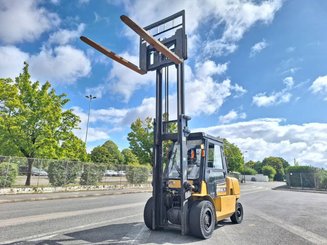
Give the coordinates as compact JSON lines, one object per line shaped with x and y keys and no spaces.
{"x":277,"y":164}
{"x":129,"y":157}
{"x":74,"y":149}
{"x":257,"y":166}
{"x":234,"y":156}
{"x":249,"y":171}
{"x":269,"y":171}
{"x":141,"y":140}
{"x":107,"y":153}
{"x":32,"y":117}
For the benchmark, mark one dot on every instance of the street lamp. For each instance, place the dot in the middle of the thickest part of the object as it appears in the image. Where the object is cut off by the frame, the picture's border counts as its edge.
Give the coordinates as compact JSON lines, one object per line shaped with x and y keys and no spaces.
{"x":89,"y":97}
{"x":244,"y":165}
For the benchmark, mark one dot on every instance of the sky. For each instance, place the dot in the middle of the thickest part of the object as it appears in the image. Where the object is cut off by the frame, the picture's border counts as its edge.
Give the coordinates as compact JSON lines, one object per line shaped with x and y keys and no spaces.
{"x":256,"y":71}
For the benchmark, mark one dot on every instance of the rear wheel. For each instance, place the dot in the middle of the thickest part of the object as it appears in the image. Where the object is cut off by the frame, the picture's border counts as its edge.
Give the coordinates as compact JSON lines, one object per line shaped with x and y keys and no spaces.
{"x":237,"y":217}
{"x":148,"y":212}
{"x":202,"y":219}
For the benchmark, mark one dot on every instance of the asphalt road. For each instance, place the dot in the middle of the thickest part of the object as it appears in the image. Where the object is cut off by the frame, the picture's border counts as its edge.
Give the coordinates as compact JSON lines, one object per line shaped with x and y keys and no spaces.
{"x":271,"y":217}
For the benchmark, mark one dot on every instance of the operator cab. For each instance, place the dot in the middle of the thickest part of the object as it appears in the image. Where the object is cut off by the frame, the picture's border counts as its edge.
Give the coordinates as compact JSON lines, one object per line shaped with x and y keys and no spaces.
{"x":205,"y":162}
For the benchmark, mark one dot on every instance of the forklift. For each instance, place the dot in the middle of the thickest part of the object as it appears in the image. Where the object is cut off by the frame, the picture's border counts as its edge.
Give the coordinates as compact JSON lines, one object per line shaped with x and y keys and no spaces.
{"x":191,"y":189}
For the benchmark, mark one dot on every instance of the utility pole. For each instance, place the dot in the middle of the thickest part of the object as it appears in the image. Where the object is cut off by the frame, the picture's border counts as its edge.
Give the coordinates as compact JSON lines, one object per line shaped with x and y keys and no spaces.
{"x":89,"y":97}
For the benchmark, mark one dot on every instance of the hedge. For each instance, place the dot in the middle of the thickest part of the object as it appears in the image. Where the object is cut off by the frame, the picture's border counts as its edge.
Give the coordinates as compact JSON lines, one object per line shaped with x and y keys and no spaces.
{"x":137,"y":174}
{"x":61,"y":173}
{"x":8,"y":174}
{"x":92,"y":174}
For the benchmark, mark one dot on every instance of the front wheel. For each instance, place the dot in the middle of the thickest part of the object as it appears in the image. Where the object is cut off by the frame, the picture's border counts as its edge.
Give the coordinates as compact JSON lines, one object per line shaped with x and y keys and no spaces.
{"x":202,"y":219}
{"x":148,"y":212}
{"x":237,"y":217}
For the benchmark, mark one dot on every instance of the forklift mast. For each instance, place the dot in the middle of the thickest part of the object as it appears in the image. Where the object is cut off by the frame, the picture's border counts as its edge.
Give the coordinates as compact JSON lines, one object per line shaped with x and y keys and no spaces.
{"x":162,"y":44}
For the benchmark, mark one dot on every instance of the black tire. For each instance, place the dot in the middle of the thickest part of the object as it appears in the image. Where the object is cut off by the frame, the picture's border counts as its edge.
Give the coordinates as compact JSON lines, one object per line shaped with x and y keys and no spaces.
{"x":202,"y":219}
{"x":237,"y":217}
{"x":148,"y":212}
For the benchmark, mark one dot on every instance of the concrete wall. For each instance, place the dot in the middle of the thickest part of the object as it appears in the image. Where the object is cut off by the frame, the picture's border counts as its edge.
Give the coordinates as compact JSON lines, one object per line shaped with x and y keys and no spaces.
{"x":257,"y":177}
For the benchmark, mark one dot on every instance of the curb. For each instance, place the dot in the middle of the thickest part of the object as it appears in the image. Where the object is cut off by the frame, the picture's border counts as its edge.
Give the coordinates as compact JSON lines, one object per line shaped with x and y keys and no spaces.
{"x":80,"y":195}
{"x":286,"y":188}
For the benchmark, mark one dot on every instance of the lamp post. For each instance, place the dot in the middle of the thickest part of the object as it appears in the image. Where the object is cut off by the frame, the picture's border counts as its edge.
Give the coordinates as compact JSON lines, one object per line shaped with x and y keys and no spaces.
{"x":244,"y":165}
{"x":89,"y":97}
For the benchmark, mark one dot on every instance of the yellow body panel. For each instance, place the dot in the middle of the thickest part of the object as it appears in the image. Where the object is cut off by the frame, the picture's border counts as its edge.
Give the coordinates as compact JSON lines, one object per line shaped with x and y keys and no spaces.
{"x":225,"y":206}
{"x":227,"y":195}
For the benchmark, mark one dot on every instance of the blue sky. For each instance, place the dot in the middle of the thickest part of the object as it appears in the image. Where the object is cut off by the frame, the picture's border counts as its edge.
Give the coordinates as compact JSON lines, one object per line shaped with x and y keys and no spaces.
{"x":256,"y":72}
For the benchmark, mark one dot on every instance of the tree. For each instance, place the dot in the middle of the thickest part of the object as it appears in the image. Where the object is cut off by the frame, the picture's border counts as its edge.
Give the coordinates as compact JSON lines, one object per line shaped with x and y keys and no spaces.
{"x":277,"y":164}
{"x":74,"y":149}
{"x":234,"y":156}
{"x":107,"y":153}
{"x":141,"y":140}
{"x":32,"y":117}
{"x":249,"y":171}
{"x":129,"y":157}
{"x":257,"y":166}
{"x":269,"y":171}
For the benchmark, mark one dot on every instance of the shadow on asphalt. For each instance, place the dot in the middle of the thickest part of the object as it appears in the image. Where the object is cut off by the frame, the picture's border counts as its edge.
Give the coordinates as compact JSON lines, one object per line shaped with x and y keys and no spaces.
{"x":126,"y":233}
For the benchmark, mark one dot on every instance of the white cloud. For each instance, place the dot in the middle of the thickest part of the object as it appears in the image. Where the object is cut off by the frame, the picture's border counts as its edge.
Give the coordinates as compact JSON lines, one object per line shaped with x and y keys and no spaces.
{"x":319,"y":85}
{"x":289,"y":82}
{"x":210,"y":68}
{"x":12,"y":61}
{"x":24,"y":21}
{"x":62,"y":64}
{"x":271,"y":137}
{"x":235,"y":16}
{"x":258,"y":47}
{"x":262,"y":99}
{"x":275,"y":98}
{"x":64,"y":36}
{"x":239,"y":90}
{"x":231,"y":116}
{"x":206,"y":96}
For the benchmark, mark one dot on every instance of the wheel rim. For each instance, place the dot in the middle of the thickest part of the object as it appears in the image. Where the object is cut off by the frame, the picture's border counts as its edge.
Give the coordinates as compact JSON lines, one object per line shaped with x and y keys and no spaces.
{"x":207,"y":220}
{"x":239,"y":213}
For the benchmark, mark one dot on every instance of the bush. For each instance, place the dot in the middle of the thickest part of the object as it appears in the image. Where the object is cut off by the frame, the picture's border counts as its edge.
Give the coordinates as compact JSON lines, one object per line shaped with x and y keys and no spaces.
{"x":269,"y":171}
{"x":322,"y":179}
{"x":61,"y":173}
{"x":249,"y":171}
{"x":92,"y":174}
{"x":8,"y":174}
{"x":137,"y":174}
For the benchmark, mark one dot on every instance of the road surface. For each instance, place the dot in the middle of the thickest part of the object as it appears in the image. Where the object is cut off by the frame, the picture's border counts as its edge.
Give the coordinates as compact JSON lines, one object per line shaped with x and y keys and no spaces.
{"x":271,"y":217}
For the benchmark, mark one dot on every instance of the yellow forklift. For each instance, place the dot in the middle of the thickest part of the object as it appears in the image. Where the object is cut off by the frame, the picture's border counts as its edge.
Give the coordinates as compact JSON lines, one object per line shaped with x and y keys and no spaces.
{"x":191,"y":189}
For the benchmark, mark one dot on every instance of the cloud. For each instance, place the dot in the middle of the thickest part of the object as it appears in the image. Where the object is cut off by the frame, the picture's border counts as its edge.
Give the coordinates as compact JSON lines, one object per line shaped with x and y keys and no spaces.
{"x":263,"y":100}
{"x":235,"y":17}
{"x":24,"y":21}
{"x":319,"y":85}
{"x":62,"y":64}
{"x":210,"y":68}
{"x":275,"y":98}
{"x":289,"y":82}
{"x":272,"y":137}
{"x":231,"y":116}
{"x":64,"y":36}
{"x":258,"y":47}
{"x":12,"y":61}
